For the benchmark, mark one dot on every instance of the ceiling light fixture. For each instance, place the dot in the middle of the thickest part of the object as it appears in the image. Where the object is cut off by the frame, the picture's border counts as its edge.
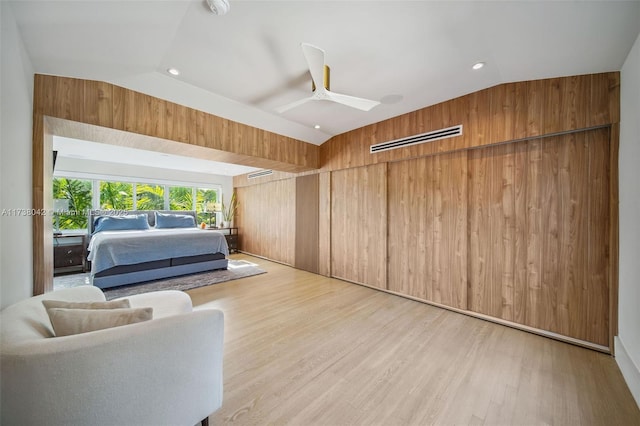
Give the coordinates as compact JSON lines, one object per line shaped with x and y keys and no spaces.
{"x":173,"y":71}
{"x":317,"y":126}
{"x":219,"y":7}
{"x":478,"y":65}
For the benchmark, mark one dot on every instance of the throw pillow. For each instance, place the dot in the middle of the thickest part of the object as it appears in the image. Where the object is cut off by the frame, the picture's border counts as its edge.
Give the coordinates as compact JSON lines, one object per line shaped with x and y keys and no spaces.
{"x":75,"y":321}
{"x":168,"y":220}
{"x":121,"y":223}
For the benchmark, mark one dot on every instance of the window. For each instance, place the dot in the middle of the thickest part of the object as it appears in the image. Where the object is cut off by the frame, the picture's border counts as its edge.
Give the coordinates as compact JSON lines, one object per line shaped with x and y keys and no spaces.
{"x":206,"y":199}
{"x":180,"y":198}
{"x":85,"y":194}
{"x":77,"y":193}
{"x":149,"y":196}
{"x":116,"y":196}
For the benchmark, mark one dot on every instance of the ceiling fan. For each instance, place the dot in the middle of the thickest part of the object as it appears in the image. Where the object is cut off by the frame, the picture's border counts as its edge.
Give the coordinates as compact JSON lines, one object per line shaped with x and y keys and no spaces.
{"x":320,"y":76}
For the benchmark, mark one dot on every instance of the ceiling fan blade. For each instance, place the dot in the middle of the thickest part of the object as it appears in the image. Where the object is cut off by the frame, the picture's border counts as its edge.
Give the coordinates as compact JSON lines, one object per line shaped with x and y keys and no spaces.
{"x":315,"y":60}
{"x":287,"y":107}
{"x":351,"y":101}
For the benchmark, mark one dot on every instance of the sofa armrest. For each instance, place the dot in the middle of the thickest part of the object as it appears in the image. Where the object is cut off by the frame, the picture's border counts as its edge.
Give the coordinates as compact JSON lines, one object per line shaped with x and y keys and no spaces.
{"x":163,"y":371}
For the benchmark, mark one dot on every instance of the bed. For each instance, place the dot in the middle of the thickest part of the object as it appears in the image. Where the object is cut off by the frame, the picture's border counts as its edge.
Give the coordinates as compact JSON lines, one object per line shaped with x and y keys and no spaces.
{"x":129,"y":247}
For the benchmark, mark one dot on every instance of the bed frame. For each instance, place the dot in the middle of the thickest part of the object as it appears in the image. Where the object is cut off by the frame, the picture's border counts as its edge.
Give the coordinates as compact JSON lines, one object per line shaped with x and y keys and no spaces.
{"x":148,"y":271}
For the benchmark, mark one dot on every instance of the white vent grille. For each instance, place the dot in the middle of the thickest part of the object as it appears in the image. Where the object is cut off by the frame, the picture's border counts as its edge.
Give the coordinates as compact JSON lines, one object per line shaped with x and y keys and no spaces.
{"x":435,"y":135}
{"x":261,"y":173}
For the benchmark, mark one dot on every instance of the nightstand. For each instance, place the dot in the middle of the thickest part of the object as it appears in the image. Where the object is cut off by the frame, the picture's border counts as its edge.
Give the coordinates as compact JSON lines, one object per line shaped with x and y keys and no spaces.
{"x":69,"y":253}
{"x":231,"y":235}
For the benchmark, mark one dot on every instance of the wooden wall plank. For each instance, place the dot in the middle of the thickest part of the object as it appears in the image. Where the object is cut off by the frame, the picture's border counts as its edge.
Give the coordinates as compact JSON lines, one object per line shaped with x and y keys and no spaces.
{"x":504,"y":238}
{"x":613,"y":234}
{"x":266,"y":220}
{"x":68,"y":99}
{"x":597,"y":239}
{"x":307,"y":222}
{"x":550,"y":227}
{"x":177,"y":122}
{"x":533,"y":298}
{"x":538,"y":219}
{"x":454,"y":219}
{"x":427,"y":229}
{"x":409,"y":267}
{"x":480,"y":292}
{"x":520,"y":246}
{"x":119,"y":102}
{"x":97,"y":103}
{"x":42,"y":201}
{"x":572,"y":206}
{"x":359,"y":225}
{"x":324,"y":224}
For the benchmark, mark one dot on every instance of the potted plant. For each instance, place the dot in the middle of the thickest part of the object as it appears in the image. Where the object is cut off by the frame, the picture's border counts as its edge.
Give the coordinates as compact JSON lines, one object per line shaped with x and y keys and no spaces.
{"x":229,"y":211}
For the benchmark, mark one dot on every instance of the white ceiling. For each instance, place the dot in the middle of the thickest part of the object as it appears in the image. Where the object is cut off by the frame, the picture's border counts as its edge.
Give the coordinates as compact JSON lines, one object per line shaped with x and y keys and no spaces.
{"x":243,"y":65}
{"x":86,"y":150}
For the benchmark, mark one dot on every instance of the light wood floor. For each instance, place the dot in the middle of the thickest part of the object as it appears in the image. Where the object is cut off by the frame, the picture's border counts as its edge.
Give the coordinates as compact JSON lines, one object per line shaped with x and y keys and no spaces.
{"x":301,"y":349}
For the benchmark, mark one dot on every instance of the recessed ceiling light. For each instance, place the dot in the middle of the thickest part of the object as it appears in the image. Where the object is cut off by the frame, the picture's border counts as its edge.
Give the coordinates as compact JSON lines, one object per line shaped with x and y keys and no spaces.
{"x":173,"y":71}
{"x":317,"y":126}
{"x":478,"y":65}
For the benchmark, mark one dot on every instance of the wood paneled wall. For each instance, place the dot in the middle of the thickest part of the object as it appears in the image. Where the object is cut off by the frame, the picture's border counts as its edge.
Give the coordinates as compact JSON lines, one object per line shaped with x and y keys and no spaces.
{"x":516,"y":220}
{"x":307,"y":222}
{"x":324,"y":224}
{"x":42,"y":225}
{"x":499,"y":114}
{"x":428,"y":228}
{"x":266,"y":220}
{"x":105,"y":105}
{"x":538,"y":234}
{"x":359,"y":225}
{"x":288,"y":220}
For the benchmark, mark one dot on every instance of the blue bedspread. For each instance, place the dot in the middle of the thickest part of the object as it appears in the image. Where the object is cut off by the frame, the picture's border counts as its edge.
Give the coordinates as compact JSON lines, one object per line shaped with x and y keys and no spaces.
{"x":111,"y":248}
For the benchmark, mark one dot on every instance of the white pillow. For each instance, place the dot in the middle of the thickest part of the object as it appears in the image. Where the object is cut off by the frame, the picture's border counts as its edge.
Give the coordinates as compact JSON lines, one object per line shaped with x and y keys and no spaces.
{"x":75,"y":321}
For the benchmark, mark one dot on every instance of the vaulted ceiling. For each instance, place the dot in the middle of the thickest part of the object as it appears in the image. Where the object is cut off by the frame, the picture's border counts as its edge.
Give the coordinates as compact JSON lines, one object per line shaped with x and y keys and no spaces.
{"x":245,"y":64}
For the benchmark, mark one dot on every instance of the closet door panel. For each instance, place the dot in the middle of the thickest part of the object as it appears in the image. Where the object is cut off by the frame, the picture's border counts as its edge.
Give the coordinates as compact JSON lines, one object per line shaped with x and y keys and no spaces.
{"x":427,"y":229}
{"x":539,"y":232}
{"x":359,"y":225}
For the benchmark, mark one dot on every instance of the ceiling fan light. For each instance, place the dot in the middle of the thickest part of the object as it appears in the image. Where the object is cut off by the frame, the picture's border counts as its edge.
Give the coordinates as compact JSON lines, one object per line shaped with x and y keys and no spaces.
{"x":219,"y":7}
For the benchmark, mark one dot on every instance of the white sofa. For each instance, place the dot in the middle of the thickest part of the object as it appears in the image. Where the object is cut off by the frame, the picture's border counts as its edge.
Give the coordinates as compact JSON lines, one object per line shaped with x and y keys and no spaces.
{"x":166,"y":371}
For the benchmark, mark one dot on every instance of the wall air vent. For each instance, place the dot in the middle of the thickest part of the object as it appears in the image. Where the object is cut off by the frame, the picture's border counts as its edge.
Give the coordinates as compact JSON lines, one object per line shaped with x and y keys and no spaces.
{"x":449,"y":132}
{"x":261,"y":173}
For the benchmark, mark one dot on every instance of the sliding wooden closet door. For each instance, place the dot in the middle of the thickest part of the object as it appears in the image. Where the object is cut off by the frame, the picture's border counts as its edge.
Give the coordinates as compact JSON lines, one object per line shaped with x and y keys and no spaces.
{"x":427,"y":228}
{"x":307,"y":220}
{"x":359,"y":225}
{"x":267,"y":220}
{"x":496,"y":231}
{"x":538,"y":233}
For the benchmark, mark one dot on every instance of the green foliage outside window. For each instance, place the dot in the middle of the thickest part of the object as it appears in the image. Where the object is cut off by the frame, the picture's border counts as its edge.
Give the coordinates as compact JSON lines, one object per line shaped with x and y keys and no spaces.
{"x":116,"y":196}
{"x":119,"y":196}
{"x":205,"y":199}
{"x":180,"y":198}
{"x":78,"y":192}
{"x":149,"y":197}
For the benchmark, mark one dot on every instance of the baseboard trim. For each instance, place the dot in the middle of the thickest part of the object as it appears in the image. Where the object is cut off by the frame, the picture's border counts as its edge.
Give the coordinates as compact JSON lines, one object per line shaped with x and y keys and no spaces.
{"x":629,"y":369}
{"x":265,"y":258}
{"x":545,"y":333}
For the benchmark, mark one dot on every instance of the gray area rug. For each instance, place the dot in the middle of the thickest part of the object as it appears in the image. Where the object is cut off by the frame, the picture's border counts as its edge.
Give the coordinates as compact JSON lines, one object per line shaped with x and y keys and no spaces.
{"x":236,"y":269}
